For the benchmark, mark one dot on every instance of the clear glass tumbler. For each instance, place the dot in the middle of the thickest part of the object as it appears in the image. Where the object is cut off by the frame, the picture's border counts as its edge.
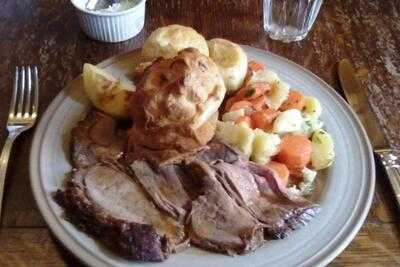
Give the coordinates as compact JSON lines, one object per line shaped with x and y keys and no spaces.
{"x":290,"y":20}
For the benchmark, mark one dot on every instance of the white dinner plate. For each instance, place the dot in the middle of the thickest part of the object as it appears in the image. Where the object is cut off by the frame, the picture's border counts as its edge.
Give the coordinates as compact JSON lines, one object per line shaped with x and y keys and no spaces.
{"x":344,"y":190}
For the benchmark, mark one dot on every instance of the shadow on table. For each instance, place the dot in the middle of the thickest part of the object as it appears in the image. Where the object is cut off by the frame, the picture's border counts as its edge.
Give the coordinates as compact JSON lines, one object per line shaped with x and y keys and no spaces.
{"x":64,"y":253}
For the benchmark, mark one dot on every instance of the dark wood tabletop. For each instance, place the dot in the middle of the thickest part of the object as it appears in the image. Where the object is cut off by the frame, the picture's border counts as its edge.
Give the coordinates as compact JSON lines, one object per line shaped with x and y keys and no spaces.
{"x":47,"y":33}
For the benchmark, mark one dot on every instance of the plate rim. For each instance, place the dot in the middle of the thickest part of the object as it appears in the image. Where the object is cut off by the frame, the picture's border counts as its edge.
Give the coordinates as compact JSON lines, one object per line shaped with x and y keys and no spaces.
{"x":90,"y":259}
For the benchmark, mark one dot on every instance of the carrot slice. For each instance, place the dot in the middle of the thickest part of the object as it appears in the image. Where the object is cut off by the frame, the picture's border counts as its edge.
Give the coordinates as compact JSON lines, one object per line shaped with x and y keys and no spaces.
{"x":263,"y":119}
{"x":295,"y":151}
{"x":255,"y":65}
{"x":245,"y":119}
{"x":240,"y":104}
{"x":281,"y":170}
{"x":253,"y":90}
{"x":230,"y":102}
{"x":259,"y":103}
{"x":295,"y":100}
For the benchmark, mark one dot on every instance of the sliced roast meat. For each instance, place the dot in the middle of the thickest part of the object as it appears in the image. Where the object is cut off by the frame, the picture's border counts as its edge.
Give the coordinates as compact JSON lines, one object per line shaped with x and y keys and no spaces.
{"x":163,"y":185}
{"x":216,"y":221}
{"x":216,"y":198}
{"x":192,"y":186}
{"x":257,"y":189}
{"x":298,"y":210}
{"x":108,"y":204}
{"x":217,"y":151}
{"x":96,"y":138}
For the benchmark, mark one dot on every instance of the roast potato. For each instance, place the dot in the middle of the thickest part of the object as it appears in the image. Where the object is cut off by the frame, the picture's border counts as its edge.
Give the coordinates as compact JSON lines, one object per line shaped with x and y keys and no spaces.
{"x":323,"y":151}
{"x":106,"y":93}
{"x":167,"y":41}
{"x":231,"y":61}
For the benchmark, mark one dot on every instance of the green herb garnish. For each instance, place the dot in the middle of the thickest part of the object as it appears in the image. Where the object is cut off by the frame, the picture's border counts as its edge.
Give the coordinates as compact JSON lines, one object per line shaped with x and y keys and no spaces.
{"x":317,"y":140}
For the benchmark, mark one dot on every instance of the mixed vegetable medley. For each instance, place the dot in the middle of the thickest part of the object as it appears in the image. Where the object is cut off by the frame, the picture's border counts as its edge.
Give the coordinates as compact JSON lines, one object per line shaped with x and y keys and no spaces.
{"x":275,"y":125}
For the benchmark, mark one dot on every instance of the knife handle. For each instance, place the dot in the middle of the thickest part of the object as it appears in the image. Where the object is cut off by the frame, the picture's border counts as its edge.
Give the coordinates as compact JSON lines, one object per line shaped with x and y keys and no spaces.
{"x":390,"y":159}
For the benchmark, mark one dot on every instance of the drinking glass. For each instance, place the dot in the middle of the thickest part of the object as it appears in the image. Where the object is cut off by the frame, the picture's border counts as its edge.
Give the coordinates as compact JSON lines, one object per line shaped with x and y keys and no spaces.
{"x":289,"y":20}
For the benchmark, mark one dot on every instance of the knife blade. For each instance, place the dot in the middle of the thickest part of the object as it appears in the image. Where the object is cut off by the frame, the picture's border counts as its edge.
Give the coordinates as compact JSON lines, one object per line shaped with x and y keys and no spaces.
{"x":357,"y":99}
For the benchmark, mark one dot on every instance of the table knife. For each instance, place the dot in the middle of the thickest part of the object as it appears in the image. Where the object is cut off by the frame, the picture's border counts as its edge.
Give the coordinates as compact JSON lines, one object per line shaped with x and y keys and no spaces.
{"x":357,"y":99}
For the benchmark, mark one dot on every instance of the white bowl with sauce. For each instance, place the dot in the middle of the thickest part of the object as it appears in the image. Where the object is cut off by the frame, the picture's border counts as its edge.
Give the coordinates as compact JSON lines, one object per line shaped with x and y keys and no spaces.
{"x":113,"y":24}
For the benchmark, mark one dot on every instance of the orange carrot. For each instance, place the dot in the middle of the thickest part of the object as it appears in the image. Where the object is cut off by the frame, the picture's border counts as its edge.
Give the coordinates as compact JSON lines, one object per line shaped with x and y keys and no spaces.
{"x":245,"y":119}
{"x":255,"y":65}
{"x":263,"y":119}
{"x":281,"y":170}
{"x":253,"y":90}
{"x":295,"y":151}
{"x":240,"y":104}
{"x":295,"y":100}
{"x":230,"y":102}
{"x":259,"y":102}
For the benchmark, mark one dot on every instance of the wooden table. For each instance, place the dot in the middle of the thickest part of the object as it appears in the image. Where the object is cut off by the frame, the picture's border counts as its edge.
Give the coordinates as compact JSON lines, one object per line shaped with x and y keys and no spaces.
{"x":47,"y":33}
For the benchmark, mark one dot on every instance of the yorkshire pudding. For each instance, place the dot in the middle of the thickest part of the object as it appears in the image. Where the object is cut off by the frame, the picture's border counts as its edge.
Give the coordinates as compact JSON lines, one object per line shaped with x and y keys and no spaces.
{"x":175,"y":107}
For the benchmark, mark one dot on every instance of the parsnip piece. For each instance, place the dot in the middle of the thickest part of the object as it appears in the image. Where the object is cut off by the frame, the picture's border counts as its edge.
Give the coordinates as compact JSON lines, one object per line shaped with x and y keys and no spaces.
{"x":265,"y":146}
{"x":312,"y":108}
{"x":265,"y":75}
{"x":245,"y":138}
{"x":287,"y":122}
{"x":226,"y":132}
{"x":278,"y":94}
{"x":233,"y":115}
{"x":323,"y":150}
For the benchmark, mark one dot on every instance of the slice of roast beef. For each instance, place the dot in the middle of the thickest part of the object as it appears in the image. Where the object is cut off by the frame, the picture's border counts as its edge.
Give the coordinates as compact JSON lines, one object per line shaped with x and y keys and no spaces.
{"x":298,"y":210}
{"x":217,"y":151}
{"x":96,"y":138}
{"x":257,"y":189}
{"x":216,"y":221}
{"x":164,"y":186}
{"x":107,"y":203}
{"x":192,"y":186}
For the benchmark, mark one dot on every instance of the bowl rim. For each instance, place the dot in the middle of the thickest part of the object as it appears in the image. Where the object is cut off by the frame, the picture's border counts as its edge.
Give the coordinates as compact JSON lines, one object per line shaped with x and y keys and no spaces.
{"x":108,"y":14}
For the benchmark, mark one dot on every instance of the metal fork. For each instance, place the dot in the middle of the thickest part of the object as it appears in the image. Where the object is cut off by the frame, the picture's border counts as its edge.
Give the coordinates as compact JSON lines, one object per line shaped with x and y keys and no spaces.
{"x":22,"y":115}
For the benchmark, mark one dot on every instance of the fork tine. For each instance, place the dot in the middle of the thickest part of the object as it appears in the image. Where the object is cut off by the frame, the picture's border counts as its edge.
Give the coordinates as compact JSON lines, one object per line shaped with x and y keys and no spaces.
{"x":35,"y":91}
{"x":14,"y":93}
{"x":28,"y":93}
{"x":22,"y":92}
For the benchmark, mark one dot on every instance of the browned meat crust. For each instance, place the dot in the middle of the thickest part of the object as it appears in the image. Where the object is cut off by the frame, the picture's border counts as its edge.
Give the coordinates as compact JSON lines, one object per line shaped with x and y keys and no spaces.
{"x":105,"y":202}
{"x":96,"y":138}
{"x":132,"y":240}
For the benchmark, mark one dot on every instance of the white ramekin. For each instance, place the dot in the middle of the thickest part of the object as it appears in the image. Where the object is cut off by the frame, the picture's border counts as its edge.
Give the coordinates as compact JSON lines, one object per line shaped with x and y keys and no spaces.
{"x":114,"y":26}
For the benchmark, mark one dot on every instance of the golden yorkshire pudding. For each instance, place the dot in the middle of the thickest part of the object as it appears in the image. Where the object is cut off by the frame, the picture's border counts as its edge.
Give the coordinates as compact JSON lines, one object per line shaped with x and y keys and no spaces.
{"x":175,"y":108}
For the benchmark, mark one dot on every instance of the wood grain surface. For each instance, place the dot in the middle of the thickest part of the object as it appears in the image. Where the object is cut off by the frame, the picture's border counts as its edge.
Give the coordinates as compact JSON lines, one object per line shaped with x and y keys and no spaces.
{"x":47,"y":33}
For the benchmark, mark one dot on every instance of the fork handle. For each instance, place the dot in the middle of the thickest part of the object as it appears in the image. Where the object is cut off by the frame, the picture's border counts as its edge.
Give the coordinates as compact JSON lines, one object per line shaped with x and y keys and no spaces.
{"x":5,"y":155}
{"x":390,"y":159}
